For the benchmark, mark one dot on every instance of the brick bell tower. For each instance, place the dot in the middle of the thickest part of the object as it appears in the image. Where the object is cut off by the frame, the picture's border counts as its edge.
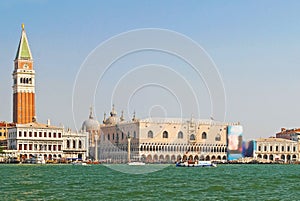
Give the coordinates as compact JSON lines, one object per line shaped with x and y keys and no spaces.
{"x":23,"y":83}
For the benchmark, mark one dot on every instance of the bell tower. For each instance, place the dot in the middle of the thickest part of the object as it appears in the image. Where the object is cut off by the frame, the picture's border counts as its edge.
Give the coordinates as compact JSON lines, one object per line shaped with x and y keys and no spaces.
{"x":23,"y":83}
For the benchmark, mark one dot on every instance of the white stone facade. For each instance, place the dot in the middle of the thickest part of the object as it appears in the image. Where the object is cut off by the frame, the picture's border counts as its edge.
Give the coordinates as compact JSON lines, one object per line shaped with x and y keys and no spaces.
{"x":43,"y":140}
{"x":75,"y":145}
{"x":277,"y":149}
{"x":163,"y":140}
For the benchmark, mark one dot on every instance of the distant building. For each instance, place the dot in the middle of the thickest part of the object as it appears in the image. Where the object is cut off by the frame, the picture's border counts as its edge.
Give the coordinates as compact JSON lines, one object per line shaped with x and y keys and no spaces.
{"x":163,"y":140}
{"x":43,"y":140}
{"x":4,"y":126}
{"x":277,"y":149}
{"x":23,"y":83}
{"x":92,"y":127}
{"x":289,"y":134}
{"x":75,"y":145}
{"x":35,"y":139}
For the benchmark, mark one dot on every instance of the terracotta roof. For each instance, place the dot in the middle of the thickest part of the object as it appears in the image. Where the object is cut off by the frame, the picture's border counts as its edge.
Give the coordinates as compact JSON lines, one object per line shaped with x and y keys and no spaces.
{"x":273,"y":140}
{"x":8,"y":124}
{"x":36,"y":125}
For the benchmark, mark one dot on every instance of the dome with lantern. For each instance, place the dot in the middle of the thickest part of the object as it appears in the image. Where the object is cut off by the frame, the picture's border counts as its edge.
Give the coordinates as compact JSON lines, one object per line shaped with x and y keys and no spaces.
{"x":90,"y":124}
{"x":113,"y":119}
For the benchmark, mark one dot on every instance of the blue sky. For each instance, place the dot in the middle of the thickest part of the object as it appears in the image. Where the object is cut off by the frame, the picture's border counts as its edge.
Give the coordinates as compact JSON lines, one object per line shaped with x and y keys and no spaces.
{"x":254,"y":44}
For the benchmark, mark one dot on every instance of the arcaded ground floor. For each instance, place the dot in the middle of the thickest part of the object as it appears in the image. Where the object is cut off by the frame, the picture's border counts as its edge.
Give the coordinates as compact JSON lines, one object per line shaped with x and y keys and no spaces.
{"x":276,"y":157}
{"x":171,"y":158}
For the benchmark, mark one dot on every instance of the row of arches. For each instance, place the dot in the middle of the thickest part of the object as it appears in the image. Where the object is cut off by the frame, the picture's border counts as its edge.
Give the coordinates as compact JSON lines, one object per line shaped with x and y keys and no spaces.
{"x":283,"y":157}
{"x":182,"y":148}
{"x":173,"y":158}
{"x":24,"y":80}
{"x":192,"y":137}
{"x":46,"y":156}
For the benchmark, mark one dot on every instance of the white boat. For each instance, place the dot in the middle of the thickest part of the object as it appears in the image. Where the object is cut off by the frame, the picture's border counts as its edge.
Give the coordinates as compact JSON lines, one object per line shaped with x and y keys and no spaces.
{"x":195,"y":164}
{"x":136,"y":163}
{"x":79,"y":163}
{"x":40,"y":160}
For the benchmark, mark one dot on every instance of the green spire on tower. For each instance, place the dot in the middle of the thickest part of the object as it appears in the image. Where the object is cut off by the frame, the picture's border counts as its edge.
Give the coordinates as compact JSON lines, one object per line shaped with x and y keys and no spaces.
{"x":23,"y":49}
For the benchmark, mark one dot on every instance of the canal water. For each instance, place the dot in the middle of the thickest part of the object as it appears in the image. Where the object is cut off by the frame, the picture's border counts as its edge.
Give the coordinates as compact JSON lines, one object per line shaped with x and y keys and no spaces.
{"x":149,"y":182}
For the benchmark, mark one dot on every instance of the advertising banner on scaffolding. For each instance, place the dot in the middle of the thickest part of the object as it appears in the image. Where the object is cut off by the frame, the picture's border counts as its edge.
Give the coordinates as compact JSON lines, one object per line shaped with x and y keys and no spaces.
{"x":234,"y":142}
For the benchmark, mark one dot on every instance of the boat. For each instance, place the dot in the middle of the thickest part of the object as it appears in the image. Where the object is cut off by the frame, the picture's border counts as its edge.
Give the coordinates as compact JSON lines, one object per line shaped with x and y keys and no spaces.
{"x":195,"y":164}
{"x":40,"y":160}
{"x":90,"y":162}
{"x":79,"y":163}
{"x":136,"y":163}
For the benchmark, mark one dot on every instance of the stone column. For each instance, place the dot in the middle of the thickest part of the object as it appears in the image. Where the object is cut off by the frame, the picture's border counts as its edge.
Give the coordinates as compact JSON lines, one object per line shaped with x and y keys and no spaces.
{"x":128,"y":149}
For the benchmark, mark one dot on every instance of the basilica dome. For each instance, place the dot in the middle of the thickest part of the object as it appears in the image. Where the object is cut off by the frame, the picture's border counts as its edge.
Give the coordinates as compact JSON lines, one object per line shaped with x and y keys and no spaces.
{"x":113,"y":117}
{"x":90,"y":124}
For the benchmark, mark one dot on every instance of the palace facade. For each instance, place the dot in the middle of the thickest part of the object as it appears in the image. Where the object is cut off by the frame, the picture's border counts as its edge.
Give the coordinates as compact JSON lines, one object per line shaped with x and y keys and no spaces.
{"x":162,"y":140}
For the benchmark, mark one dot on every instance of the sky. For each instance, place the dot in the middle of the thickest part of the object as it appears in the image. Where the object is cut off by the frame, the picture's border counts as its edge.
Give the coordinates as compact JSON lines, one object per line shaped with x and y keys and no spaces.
{"x":254,"y":46}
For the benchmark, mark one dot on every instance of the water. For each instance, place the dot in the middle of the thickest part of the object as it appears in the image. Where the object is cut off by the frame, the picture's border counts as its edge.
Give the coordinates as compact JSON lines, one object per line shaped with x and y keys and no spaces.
{"x":97,"y":182}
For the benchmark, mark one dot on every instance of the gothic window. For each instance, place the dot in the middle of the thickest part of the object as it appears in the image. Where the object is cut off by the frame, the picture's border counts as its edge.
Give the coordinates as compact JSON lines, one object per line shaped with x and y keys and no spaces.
{"x":79,"y":144}
{"x":218,"y":137}
{"x":204,"y":135}
{"x":165,"y":134}
{"x":150,"y":134}
{"x":68,"y":144}
{"x":134,"y":134}
{"x":74,"y":144}
{"x":113,"y":136}
{"x":122,"y":135}
{"x":192,"y":137}
{"x":180,"y":135}
{"x":108,"y":137}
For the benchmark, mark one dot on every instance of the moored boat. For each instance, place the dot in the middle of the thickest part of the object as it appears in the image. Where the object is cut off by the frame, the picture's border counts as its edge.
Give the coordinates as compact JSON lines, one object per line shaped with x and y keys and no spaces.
{"x":195,"y":164}
{"x":136,"y":163}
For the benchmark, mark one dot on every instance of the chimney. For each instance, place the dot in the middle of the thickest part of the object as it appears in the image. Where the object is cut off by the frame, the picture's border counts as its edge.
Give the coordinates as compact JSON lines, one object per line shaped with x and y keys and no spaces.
{"x":48,"y":122}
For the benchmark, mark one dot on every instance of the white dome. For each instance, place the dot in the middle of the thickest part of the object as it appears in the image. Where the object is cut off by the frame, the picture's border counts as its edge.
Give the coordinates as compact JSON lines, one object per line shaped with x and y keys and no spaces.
{"x":90,"y":124}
